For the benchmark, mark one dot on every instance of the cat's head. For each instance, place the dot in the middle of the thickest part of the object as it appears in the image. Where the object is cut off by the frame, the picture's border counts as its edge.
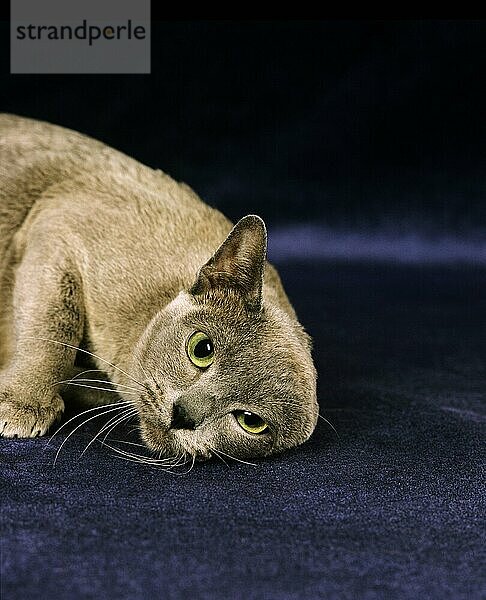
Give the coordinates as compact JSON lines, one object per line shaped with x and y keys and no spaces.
{"x":226,"y":369}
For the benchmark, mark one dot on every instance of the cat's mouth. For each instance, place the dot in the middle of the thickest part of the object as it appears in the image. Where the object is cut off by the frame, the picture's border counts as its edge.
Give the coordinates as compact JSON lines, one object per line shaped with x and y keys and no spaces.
{"x":166,"y":441}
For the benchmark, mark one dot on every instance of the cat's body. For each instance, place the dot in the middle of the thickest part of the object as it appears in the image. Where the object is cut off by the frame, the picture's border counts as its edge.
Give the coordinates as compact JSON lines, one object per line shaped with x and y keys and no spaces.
{"x":95,"y":250}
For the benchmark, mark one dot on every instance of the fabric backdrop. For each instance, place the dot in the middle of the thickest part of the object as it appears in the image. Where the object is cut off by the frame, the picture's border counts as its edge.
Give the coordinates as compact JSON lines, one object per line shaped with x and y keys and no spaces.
{"x":392,"y":506}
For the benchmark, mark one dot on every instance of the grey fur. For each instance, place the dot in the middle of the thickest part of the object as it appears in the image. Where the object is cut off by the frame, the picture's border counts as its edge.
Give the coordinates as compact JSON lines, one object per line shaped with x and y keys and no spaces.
{"x":101,"y":252}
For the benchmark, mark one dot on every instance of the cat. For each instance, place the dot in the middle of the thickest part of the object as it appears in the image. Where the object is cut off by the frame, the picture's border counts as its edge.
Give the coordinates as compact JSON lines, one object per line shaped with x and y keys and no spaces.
{"x":177,"y":307}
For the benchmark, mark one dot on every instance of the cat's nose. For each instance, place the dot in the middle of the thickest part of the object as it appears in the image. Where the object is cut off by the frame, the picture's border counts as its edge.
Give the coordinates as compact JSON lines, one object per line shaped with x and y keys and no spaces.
{"x":180,"y":418}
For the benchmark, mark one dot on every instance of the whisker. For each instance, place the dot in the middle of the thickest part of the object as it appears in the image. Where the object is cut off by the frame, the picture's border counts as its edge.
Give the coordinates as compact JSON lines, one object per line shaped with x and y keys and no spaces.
{"x":74,"y":381}
{"x":118,"y":419}
{"x":103,"y":389}
{"x":127,"y":416}
{"x":133,"y":457}
{"x":123,"y":402}
{"x":130,"y":443}
{"x":191,"y":467}
{"x":158,"y":467}
{"x":90,"y":354}
{"x":145,"y":459}
{"x":167,"y":467}
{"x":237,"y":459}
{"x":219,"y":456}
{"x":138,"y":457}
{"x":181,"y":460}
{"x":84,"y":373}
{"x":83,"y":423}
{"x":178,"y":461}
{"x":112,"y":424}
{"x":330,"y":424}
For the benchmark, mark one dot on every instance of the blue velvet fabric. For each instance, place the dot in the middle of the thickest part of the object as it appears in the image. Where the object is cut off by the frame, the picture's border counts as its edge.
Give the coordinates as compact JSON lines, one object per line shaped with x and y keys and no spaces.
{"x":391,"y":507}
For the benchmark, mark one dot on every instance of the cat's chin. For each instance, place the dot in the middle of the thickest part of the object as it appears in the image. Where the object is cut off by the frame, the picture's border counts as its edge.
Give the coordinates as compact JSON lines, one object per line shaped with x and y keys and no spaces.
{"x":167,"y":443}
{"x":157,"y":439}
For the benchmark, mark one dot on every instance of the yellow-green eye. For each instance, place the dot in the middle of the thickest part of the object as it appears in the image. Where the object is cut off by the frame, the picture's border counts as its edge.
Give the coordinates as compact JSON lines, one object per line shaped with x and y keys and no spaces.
{"x":200,"y":350}
{"x":250,"y":421}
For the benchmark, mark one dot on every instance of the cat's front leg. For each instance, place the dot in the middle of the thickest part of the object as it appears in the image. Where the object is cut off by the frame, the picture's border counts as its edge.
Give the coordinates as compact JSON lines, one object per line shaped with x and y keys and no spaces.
{"x":47,"y":319}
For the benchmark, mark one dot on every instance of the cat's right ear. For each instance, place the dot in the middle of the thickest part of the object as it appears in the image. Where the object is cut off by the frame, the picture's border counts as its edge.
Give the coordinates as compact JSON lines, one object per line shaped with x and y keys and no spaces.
{"x":238,"y":264}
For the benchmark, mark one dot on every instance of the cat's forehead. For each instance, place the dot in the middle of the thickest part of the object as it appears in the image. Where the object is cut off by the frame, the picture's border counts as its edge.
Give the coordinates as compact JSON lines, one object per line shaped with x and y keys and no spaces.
{"x":226,"y":318}
{"x":221,"y":311}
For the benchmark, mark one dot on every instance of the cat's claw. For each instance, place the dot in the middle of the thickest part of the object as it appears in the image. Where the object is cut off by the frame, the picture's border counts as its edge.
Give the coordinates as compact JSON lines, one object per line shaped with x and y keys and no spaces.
{"x":28,"y":419}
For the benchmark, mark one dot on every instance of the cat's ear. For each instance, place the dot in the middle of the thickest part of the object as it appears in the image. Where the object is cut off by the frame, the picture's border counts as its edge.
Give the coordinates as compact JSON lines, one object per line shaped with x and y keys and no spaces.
{"x":238,"y":264}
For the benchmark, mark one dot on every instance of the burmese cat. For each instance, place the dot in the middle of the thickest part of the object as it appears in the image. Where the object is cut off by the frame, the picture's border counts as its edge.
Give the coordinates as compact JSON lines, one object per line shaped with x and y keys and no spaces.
{"x":190,"y":322}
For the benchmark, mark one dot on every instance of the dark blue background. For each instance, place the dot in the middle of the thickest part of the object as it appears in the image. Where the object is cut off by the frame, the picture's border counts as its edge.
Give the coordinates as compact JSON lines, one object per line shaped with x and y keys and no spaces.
{"x":361,"y":141}
{"x":351,"y":122}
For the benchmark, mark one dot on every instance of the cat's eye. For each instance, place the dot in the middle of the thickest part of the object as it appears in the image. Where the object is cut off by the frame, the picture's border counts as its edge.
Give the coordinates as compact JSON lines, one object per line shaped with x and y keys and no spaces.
{"x":200,"y":350}
{"x":250,"y":422}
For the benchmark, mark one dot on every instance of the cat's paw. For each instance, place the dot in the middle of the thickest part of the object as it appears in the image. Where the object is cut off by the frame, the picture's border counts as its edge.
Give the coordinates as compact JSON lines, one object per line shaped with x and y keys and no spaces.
{"x":26,"y":418}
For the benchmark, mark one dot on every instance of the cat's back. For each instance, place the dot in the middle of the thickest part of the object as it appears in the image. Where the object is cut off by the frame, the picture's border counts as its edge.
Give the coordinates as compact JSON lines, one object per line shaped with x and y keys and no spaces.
{"x":84,"y":181}
{"x":27,"y":168}
{"x":35,"y":157}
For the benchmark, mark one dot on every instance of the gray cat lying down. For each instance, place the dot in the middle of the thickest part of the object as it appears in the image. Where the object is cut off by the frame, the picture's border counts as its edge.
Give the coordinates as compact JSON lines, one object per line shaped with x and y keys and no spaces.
{"x":185,"y":316}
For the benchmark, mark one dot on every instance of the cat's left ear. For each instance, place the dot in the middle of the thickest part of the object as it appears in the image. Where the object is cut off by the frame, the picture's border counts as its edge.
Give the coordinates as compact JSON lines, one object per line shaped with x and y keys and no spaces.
{"x":238,"y":263}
